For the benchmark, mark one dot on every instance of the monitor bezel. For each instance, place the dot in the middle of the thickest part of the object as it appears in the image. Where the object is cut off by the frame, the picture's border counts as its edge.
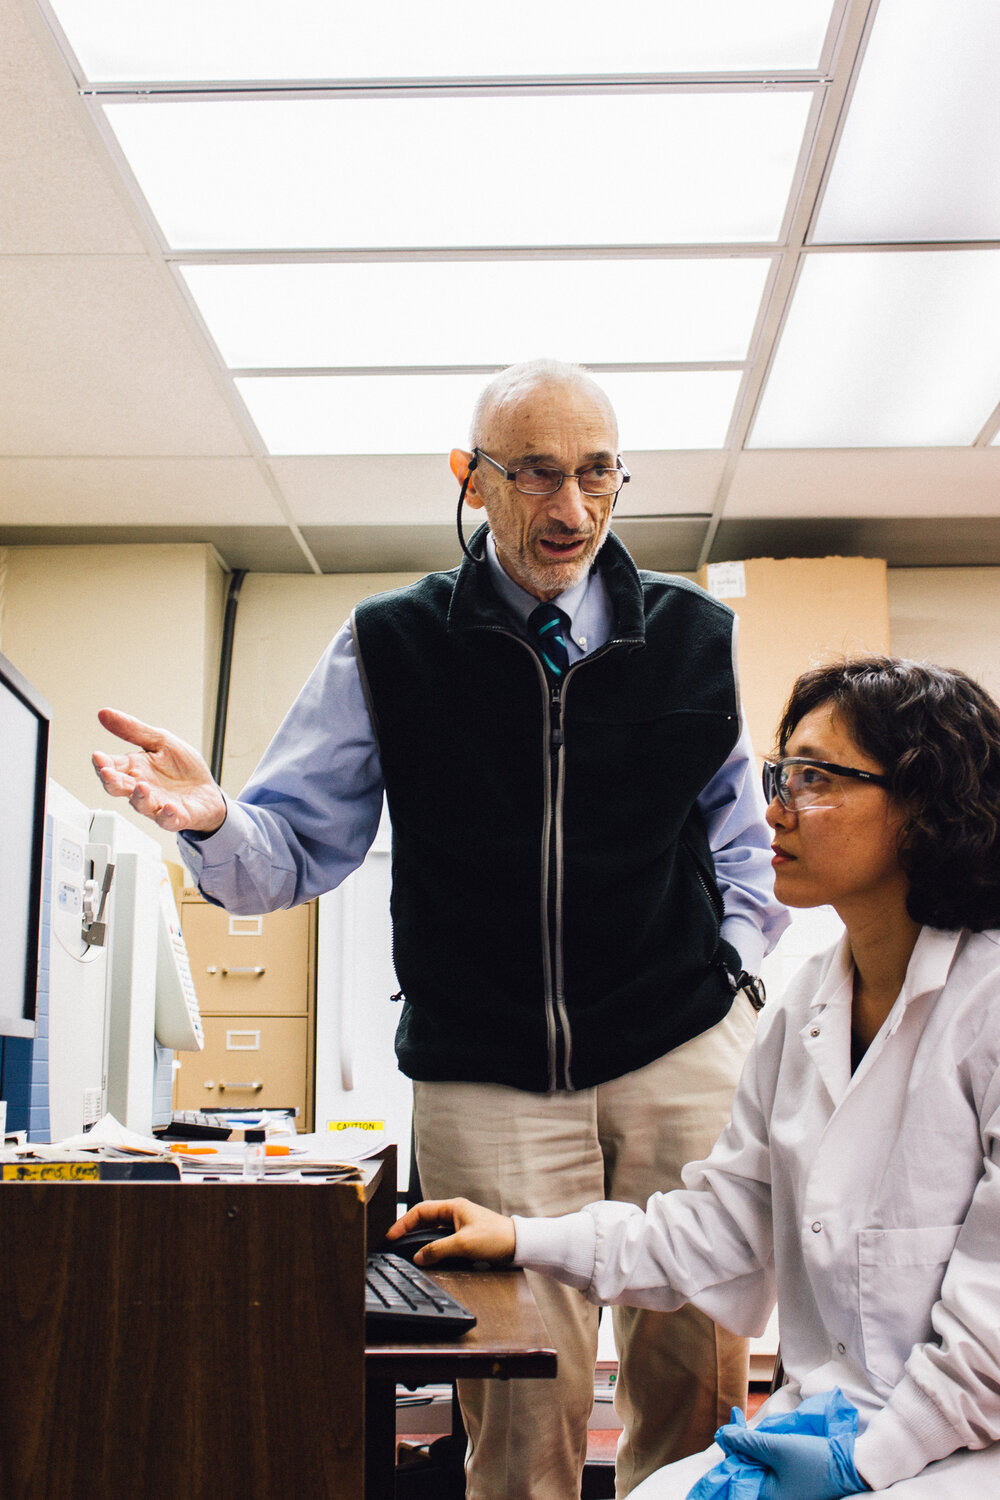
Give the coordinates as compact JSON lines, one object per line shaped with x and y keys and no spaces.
{"x":24,"y":1023}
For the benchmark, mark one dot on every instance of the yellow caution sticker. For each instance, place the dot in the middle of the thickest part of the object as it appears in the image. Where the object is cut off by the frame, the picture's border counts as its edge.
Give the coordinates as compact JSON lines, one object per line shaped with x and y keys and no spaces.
{"x":52,"y":1171}
{"x":373,"y":1125}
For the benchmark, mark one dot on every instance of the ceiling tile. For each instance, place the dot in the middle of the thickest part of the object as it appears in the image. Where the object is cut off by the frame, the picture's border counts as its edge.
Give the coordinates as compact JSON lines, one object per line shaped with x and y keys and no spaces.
{"x":260,"y":549}
{"x":96,"y":357}
{"x":672,"y":545}
{"x":887,"y":482}
{"x":952,"y":541}
{"x":135,"y":492}
{"x":419,"y":489}
{"x":55,"y":192}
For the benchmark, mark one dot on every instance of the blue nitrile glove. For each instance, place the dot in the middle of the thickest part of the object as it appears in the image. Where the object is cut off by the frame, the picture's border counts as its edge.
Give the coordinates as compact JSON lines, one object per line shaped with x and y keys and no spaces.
{"x":805,"y":1452}
{"x":799,"y":1464}
{"x":733,"y":1479}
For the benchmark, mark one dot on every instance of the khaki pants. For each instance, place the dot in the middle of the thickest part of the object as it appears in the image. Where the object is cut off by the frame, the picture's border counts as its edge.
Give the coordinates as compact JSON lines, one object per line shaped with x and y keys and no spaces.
{"x":549,"y":1154}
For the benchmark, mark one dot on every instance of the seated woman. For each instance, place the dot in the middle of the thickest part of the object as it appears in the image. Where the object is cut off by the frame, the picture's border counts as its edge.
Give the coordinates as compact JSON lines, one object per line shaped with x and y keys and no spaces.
{"x":859,"y":1177}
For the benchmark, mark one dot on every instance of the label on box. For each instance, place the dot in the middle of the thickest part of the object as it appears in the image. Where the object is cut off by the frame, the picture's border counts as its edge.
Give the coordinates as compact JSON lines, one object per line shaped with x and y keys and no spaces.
{"x":52,"y":1171}
{"x":726,"y":580}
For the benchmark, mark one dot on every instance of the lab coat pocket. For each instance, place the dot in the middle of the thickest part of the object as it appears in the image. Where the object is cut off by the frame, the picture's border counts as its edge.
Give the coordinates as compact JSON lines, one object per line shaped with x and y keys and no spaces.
{"x":899,"y":1280}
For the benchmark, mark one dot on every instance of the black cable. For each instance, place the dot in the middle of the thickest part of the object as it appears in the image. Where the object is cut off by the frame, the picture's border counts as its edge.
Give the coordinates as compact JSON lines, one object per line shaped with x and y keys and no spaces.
{"x":225,"y":671}
{"x":458,"y":519}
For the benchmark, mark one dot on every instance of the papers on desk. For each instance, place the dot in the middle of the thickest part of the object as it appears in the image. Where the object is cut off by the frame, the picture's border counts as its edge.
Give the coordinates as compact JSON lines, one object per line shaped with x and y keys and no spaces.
{"x":108,"y":1132}
{"x":356,"y":1143}
{"x":226,"y":1159}
{"x":289,"y":1158}
{"x":352,"y":1140}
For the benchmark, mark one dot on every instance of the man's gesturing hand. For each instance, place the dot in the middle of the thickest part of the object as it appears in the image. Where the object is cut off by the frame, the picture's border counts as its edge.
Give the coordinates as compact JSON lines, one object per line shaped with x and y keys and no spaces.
{"x":163,"y":778}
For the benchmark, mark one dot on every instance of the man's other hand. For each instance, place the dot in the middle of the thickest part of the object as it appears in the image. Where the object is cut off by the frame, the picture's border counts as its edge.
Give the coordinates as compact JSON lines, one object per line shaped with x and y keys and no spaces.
{"x":163,"y":778}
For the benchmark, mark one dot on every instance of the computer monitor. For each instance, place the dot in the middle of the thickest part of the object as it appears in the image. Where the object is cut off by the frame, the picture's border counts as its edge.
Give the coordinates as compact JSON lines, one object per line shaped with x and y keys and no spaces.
{"x":24,"y":749}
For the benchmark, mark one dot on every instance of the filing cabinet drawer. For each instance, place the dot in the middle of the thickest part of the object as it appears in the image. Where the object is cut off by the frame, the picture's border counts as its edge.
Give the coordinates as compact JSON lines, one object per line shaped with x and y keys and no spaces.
{"x":249,"y":965}
{"x":257,"y":1062}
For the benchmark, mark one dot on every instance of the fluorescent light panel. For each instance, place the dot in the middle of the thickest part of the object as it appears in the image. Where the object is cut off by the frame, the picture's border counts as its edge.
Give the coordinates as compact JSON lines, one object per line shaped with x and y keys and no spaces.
{"x":919,"y":152}
{"x":330,"y":414}
{"x":311,"y":39}
{"x":479,"y":312}
{"x":672,"y":168}
{"x":897,"y":349}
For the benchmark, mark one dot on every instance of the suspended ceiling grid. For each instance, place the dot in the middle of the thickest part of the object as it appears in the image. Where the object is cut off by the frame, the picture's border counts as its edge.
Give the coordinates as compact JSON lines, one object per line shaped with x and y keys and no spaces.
{"x":122,"y":417}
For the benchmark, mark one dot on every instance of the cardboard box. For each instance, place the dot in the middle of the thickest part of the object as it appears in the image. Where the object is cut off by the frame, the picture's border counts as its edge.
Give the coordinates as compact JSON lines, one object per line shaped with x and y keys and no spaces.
{"x":796,"y":613}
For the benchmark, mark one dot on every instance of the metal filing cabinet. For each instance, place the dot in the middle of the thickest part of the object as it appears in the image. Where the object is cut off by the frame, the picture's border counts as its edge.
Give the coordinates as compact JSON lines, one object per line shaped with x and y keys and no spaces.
{"x":255,"y":978}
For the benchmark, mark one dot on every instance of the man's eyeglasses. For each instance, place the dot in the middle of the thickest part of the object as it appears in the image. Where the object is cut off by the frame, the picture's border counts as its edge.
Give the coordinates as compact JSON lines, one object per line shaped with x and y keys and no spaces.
{"x":535,"y":479}
{"x":800,"y":783}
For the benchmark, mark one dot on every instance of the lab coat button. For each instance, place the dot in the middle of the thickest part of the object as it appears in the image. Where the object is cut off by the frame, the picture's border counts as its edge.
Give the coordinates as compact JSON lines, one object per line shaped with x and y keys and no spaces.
{"x":815,"y":1031}
{"x":817,"y":1227}
{"x":841,"y":1348}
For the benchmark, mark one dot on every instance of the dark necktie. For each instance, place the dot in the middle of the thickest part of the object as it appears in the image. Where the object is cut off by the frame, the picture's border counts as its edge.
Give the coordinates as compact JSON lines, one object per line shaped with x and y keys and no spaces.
{"x":547,"y":625}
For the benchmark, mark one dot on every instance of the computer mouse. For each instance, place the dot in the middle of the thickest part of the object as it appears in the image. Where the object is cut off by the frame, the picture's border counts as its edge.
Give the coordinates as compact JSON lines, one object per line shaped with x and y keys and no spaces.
{"x":415,"y":1239}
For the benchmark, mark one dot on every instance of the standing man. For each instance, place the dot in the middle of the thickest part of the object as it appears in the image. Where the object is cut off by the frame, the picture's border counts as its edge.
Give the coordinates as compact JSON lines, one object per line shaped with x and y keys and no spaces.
{"x":581,"y":879}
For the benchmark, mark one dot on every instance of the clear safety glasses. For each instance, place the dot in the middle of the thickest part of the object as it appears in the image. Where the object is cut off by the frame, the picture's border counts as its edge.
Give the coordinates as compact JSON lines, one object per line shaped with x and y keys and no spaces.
{"x":800,"y":783}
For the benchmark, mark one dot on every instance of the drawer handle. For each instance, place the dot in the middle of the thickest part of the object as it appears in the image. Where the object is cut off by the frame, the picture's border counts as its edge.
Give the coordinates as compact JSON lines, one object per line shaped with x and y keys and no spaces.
{"x":256,"y":970}
{"x":254,"y":1087}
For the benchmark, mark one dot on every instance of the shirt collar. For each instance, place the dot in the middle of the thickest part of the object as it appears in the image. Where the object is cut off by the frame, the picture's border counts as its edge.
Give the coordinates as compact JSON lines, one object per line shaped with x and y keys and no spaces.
{"x":586,"y":604}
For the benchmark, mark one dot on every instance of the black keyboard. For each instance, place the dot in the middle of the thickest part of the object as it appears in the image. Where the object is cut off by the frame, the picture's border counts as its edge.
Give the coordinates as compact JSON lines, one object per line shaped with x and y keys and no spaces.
{"x":401,"y":1298}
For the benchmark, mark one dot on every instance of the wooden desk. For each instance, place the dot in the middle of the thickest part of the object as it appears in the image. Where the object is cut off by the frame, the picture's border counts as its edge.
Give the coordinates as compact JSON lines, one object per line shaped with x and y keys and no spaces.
{"x":205,"y":1341}
{"x":182,"y":1342}
{"x":509,"y":1341}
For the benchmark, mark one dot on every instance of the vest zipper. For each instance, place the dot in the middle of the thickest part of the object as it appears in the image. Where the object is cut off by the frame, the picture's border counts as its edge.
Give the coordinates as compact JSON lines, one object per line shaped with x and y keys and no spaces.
{"x":553,"y":866}
{"x":554,"y":751}
{"x":554,"y":913}
{"x":710,"y":891}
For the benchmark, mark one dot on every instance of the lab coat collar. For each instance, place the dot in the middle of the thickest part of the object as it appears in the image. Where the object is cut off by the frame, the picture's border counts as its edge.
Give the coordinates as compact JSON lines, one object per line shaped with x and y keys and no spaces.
{"x":826,"y":1034}
{"x":930,"y":963}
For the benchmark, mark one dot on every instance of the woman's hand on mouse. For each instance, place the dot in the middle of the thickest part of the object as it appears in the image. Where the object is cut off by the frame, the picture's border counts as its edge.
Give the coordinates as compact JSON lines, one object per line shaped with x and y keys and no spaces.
{"x":469,"y":1231}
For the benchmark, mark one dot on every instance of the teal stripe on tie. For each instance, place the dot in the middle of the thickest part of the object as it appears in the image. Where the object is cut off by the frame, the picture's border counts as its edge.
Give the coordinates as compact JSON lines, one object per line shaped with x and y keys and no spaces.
{"x":548,"y":625}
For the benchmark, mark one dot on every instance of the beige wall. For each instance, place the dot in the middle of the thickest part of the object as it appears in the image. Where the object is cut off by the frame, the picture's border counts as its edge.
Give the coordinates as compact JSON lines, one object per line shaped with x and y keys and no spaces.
{"x":950,"y":616}
{"x":131,"y":627}
{"x":284,"y":623}
{"x":138,"y":627}
{"x":794,"y":614}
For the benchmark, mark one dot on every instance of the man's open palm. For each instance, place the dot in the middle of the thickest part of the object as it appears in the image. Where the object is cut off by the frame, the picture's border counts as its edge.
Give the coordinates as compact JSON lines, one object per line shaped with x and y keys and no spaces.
{"x":163,"y":778}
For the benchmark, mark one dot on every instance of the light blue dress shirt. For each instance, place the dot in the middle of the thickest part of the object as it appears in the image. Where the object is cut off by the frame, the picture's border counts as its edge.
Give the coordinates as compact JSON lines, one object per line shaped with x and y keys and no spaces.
{"x":309,"y":813}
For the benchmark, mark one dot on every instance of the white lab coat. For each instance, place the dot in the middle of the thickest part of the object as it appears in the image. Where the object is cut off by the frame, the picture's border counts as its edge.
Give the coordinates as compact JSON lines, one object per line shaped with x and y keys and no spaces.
{"x":872,"y":1204}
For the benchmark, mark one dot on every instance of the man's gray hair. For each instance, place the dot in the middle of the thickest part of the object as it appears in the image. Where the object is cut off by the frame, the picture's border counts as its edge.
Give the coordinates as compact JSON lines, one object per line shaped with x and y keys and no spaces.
{"x":517,"y":380}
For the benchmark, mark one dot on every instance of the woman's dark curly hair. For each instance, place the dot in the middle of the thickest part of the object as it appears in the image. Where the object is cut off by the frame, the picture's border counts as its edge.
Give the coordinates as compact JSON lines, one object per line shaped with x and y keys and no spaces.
{"x":936,"y":735}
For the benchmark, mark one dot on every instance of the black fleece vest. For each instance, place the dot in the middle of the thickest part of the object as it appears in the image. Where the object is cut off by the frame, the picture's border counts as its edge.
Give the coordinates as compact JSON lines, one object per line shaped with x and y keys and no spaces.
{"x":555,"y":911}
